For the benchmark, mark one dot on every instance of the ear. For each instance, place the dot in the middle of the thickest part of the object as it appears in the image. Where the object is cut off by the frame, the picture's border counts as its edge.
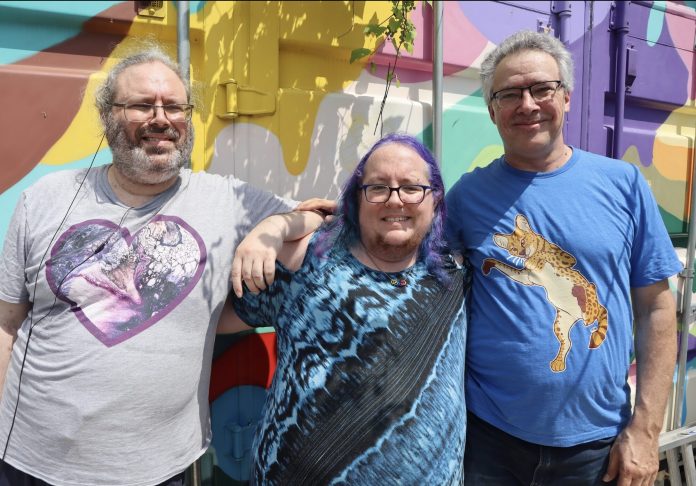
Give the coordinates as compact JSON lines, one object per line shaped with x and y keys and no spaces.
{"x":491,"y":113}
{"x":566,"y":100}
{"x":522,"y":223}
{"x":501,"y":241}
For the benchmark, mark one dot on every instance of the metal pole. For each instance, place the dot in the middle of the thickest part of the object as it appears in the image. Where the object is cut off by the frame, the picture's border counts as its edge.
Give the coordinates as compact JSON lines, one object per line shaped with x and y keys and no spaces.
{"x":621,"y":28}
{"x":563,"y":12}
{"x":686,"y":317}
{"x":437,"y":79}
{"x":183,"y":46}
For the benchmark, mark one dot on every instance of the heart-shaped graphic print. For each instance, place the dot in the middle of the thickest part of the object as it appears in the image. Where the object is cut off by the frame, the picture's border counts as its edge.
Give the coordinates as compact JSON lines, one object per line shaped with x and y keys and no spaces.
{"x":118,"y":285}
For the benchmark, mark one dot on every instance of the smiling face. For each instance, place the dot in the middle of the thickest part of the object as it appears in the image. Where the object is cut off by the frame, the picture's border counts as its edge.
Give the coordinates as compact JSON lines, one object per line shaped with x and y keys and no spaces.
{"x":393,"y":230}
{"x":149,"y":152}
{"x":532,"y":132}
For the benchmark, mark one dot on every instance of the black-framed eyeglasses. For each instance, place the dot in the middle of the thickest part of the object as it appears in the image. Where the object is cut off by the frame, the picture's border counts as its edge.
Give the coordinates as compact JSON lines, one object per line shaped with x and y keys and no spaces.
{"x":540,"y":92}
{"x":144,"y":112}
{"x":408,"y":193}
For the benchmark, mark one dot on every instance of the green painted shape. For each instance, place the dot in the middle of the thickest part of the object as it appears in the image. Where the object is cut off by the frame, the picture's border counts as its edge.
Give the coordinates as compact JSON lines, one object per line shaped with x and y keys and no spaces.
{"x":673,"y":224}
{"x":655,"y":22}
{"x":469,"y":138}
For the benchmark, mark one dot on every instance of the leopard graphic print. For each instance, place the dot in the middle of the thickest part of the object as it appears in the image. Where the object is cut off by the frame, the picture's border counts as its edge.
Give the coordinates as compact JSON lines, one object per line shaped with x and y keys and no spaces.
{"x":548,"y":266}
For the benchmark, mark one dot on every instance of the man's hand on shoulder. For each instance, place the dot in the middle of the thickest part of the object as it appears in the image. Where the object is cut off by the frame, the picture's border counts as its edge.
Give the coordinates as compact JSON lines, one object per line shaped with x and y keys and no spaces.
{"x":255,"y":257}
{"x":325,"y":207}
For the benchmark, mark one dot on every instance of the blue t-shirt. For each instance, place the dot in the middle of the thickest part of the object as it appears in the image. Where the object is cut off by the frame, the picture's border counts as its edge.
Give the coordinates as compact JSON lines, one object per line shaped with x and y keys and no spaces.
{"x":369,"y":384}
{"x":554,"y":258}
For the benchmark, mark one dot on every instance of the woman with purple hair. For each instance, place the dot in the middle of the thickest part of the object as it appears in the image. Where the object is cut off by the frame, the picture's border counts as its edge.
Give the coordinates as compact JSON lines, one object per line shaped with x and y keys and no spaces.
{"x":371,"y":333}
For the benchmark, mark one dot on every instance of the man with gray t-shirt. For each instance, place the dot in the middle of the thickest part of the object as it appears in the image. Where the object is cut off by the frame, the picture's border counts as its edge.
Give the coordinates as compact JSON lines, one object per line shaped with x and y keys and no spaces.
{"x":108,"y":303}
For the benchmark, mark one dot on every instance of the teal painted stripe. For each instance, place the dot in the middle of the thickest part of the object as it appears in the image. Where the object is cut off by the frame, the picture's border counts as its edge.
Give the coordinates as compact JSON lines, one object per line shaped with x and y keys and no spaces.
{"x":9,"y":198}
{"x":196,"y":7}
{"x":656,"y":21}
{"x":29,"y":27}
{"x":466,"y":131}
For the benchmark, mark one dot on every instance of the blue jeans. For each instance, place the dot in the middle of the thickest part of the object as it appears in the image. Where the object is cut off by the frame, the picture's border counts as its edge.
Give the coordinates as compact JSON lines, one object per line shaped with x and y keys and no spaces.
{"x":494,"y":458}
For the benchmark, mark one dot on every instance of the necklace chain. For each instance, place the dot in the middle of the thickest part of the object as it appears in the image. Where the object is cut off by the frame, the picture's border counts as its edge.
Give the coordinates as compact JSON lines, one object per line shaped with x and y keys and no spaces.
{"x":396,"y":282}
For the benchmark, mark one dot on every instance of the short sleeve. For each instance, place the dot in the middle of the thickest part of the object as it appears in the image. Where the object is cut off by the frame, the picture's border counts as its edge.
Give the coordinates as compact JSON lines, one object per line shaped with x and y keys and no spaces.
{"x":14,"y":256}
{"x":259,"y":204}
{"x":262,"y":309}
{"x":652,"y":255}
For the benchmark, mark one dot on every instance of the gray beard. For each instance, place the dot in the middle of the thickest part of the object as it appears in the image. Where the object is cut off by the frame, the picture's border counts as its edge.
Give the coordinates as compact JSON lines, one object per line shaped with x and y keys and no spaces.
{"x":134,"y":162}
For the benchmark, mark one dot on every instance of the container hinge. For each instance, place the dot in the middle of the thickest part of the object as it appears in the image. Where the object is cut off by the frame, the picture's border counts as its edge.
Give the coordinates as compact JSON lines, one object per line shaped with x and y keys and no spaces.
{"x":245,"y":100}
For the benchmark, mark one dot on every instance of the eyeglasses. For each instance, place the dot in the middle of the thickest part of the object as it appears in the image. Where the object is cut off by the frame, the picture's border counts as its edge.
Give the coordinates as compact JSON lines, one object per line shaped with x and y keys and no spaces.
{"x":408,"y":193}
{"x":541,"y":92}
{"x":143,"y":112}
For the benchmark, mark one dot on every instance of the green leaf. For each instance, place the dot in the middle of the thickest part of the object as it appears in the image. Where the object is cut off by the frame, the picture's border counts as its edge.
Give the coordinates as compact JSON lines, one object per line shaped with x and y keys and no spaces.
{"x":394,"y":25}
{"x":373,"y":68}
{"x":359,"y":54}
{"x":375,"y":30}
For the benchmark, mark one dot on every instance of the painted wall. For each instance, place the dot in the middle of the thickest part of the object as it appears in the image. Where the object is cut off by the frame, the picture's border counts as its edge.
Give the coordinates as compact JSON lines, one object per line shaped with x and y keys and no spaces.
{"x":310,"y":114}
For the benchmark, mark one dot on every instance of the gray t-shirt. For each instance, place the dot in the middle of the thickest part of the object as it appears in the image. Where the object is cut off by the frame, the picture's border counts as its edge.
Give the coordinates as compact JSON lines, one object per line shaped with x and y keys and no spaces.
{"x":115,"y":385}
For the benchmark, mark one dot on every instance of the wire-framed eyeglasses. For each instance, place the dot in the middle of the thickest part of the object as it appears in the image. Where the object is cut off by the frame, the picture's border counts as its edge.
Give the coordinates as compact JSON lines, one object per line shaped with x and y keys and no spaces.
{"x":144,"y":112}
{"x":408,"y":193}
{"x":541,"y":92}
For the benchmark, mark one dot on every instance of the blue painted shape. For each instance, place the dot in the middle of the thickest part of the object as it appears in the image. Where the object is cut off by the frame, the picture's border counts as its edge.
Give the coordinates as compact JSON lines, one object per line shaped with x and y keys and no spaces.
{"x":234,"y":416}
{"x":9,"y":198}
{"x":655,"y":22}
{"x":196,"y":6}
{"x":29,"y":27}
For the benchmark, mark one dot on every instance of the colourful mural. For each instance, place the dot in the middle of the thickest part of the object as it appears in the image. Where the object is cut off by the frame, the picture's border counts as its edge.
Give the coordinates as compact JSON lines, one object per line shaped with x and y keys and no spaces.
{"x":278,"y":103}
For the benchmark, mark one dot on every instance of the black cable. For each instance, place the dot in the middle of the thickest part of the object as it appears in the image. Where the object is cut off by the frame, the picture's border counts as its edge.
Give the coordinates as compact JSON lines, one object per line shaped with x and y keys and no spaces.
{"x":32,"y":324}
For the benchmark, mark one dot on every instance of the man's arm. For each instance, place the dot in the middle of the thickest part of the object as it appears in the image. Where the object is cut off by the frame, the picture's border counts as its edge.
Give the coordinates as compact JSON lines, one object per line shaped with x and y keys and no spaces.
{"x":11,"y":318}
{"x":254,"y":260}
{"x":634,"y":456}
{"x":229,"y":322}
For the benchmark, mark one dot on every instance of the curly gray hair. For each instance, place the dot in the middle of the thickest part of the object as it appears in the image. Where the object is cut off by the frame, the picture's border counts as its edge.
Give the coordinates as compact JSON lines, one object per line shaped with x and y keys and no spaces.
{"x":106,"y":93}
{"x":527,"y":40}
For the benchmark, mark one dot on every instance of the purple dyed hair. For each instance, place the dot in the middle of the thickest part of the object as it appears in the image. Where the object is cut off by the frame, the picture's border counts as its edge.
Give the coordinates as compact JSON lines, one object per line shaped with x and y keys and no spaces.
{"x":345,"y":228}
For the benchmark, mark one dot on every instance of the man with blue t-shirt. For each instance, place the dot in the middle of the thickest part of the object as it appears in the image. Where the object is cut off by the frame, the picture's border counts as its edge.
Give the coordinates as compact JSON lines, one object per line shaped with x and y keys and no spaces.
{"x":561,"y":242}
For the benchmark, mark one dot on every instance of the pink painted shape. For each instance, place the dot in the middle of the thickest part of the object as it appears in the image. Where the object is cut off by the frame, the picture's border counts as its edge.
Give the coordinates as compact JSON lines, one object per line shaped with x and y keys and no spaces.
{"x":462,"y":45}
{"x":683,"y":36}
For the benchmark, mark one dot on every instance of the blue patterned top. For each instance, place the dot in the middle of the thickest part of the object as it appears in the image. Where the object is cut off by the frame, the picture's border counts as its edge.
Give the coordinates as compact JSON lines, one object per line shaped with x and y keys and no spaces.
{"x":369,"y":384}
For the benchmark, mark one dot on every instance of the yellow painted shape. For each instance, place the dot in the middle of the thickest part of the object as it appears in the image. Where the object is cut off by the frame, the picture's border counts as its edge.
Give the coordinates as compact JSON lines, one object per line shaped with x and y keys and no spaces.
{"x":313,"y":42}
{"x":671,"y":195}
{"x":486,"y":155}
{"x":674,"y":142}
